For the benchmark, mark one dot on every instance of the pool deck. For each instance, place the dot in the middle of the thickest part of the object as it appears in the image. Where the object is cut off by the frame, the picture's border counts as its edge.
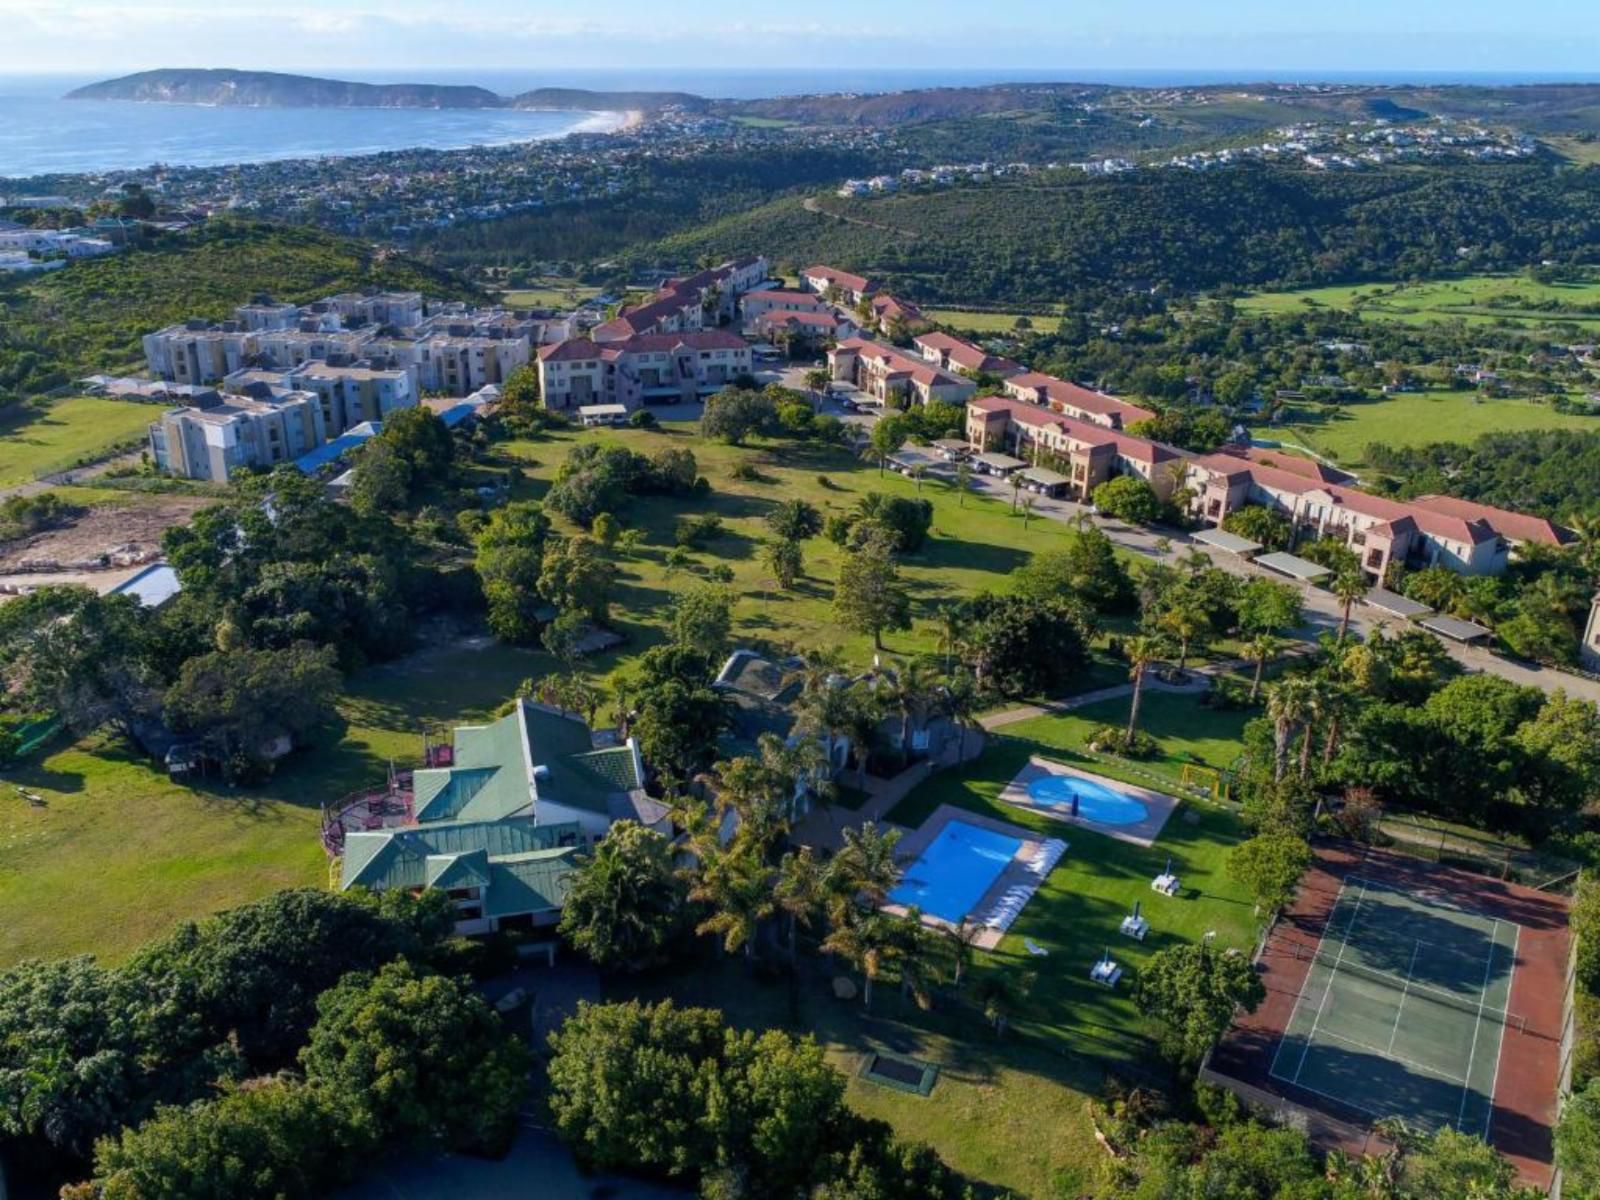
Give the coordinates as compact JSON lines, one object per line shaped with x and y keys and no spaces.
{"x":1143,"y":833}
{"x":1015,"y":874}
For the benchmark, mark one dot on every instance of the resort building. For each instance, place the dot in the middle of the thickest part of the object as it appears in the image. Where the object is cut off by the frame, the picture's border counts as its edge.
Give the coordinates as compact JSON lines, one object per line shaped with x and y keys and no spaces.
{"x":892,"y":375}
{"x":1469,"y":538}
{"x":1073,"y":401}
{"x":1069,"y":456}
{"x":890,"y":314}
{"x":756,"y":304}
{"x":499,"y":875}
{"x":956,"y":354}
{"x":495,"y":817}
{"x":708,"y":298}
{"x":807,"y":326}
{"x":655,"y":368}
{"x":829,"y":281}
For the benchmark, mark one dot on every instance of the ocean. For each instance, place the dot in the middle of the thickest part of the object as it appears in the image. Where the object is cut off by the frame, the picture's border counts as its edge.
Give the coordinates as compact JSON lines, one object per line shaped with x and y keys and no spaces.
{"x":40,"y":133}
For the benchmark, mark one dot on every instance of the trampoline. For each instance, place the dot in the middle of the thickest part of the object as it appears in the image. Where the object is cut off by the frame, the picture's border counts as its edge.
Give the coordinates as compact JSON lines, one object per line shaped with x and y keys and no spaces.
{"x":1095,"y":801}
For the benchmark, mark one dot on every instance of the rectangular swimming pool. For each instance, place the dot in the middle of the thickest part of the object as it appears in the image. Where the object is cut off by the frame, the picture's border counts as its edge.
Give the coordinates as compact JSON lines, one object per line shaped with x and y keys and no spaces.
{"x":953,"y":872}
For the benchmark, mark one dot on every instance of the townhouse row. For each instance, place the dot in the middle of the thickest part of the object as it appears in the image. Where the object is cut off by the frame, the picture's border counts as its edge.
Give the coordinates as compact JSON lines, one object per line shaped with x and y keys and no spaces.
{"x":1063,"y":434}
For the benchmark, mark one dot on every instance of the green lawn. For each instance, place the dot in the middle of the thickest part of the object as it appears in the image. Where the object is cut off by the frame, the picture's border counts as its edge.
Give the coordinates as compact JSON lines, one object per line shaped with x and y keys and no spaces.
{"x":1416,"y":419}
{"x":68,"y":432}
{"x":972,"y":547}
{"x":1476,"y":299}
{"x":1009,"y":1112}
{"x":136,"y":852}
{"x":121,"y":853}
{"x":548,"y":293}
{"x":986,"y":322}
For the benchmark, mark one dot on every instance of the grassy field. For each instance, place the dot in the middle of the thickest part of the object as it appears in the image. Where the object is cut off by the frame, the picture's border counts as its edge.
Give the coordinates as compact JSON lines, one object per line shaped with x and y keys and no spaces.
{"x":972,"y":547}
{"x":1416,"y":419}
{"x":65,"y":433}
{"x":137,"y":852}
{"x":120,"y":853}
{"x":1476,"y":299}
{"x":994,"y":1095}
{"x":548,"y":293}
{"x":986,"y":322}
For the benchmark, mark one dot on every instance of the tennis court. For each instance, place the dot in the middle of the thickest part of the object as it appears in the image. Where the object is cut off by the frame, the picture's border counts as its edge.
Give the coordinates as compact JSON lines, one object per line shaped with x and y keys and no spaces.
{"x":1403,"y":1009}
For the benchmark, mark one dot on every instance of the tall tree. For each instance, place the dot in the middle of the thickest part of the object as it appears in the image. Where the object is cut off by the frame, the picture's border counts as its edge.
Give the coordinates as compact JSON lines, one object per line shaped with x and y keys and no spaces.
{"x":625,"y":905}
{"x":869,"y":596}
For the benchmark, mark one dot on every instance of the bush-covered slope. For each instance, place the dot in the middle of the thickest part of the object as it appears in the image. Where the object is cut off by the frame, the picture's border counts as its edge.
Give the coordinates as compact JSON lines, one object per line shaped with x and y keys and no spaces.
{"x":1031,"y":242}
{"x":90,"y":315}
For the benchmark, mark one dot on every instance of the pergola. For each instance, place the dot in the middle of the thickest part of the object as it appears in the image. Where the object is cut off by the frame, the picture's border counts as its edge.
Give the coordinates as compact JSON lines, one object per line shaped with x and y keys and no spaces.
{"x":1045,"y":478}
{"x":1283,"y":563}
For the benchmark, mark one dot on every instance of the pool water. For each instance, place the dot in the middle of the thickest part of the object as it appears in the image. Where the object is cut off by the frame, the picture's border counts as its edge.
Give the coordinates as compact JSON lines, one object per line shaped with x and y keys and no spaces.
{"x":951,"y":875}
{"x":1096,"y":802}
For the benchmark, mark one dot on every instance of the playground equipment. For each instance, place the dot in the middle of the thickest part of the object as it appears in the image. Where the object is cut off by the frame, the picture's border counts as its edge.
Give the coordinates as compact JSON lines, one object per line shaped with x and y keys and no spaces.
{"x":1205,"y":779}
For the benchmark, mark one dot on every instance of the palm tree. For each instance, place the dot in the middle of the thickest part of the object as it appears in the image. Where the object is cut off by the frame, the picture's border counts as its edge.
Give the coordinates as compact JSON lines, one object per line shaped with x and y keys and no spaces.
{"x":737,"y":886}
{"x":1349,"y":586}
{"x":960,"y":937}
{"x":963,"y":482}
{"x":1262,"y":647}
{"x":909,"y":693}
{"x":1289,"y":706}
{"x":959,"y":701}
{"x":1184,"y":621}
{"x":817,"y":668}
{"x":1000,"y":997}
{"x":916,"y":476}
{"x":799,"y":892}
{"x":949,"y":633}
{"x":1141,"y":652}
{"x":1027,"y":510}
{"x":866,"y":862}
{"x":1016,"y":489}
{"x":911,"y":944}
{"x":862,"y":716}
{"x":862,"y":937}
{"x":817,"y":380}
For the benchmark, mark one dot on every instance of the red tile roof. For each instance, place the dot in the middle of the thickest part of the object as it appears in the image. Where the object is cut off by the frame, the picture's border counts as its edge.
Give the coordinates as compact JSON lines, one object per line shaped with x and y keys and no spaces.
{"x":838,"y":278}
{"x":818,"y":320}
{"x":1285,"y":461}
{"x":1085,"y":432}
{"x":1036,"y":384}
{"x":1393,"y":512}
{"x":1513,"y":526}
{"x":693,"y":339}
{"x":899,"y":362}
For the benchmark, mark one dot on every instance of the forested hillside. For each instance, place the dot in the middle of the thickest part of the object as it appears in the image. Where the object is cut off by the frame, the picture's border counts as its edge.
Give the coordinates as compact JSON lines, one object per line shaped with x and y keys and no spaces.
{"x":90,"y":315}
{"x":1030,"y":242}
{"x":656,"y":198}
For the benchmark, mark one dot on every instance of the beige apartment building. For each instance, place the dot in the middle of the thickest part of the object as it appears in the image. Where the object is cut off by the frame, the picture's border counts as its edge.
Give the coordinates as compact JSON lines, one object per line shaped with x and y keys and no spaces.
{"x":215,"y":441}
{"x":890,"y":375}
{"x":1087,"y":454}
{"x":653,"y":368}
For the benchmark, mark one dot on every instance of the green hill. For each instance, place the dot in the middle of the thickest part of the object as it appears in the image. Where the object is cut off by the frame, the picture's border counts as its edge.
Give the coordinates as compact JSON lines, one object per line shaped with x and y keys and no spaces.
{"x":1035,"y":241}
{"x":90,"y":315}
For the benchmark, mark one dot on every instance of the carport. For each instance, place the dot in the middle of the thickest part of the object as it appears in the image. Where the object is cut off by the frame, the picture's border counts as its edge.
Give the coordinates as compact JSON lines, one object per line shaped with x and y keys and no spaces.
{"x":1395,"y":604}
{"x":1228,"y":543}
{"x":1041,"y":479}
{"x":1303,"y":569}
{"x":997,"y":464}
{"x":1454,"y":628}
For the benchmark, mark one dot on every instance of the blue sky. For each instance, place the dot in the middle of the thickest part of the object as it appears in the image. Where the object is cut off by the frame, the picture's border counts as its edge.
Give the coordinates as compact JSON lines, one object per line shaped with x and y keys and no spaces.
{"x":1254,"y":36}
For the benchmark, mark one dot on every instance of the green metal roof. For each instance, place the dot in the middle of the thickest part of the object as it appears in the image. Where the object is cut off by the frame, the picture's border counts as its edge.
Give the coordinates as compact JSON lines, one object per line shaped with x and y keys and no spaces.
{"x":407,"y":857}
{"x":490,"y":779}
{"x":447,"y":871}
{"x":534,"y":882}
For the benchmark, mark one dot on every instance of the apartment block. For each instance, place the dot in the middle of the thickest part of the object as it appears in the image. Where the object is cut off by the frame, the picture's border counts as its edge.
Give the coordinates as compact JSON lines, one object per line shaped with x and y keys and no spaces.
{"x":1469,"y":538}
{"x":1071,"y":400}
{"x":216,"y":441}
{"x":1088,"y":454}
{"x":849,"y":287}
{"x":654,"y":368}
{"x":892,"y":375}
